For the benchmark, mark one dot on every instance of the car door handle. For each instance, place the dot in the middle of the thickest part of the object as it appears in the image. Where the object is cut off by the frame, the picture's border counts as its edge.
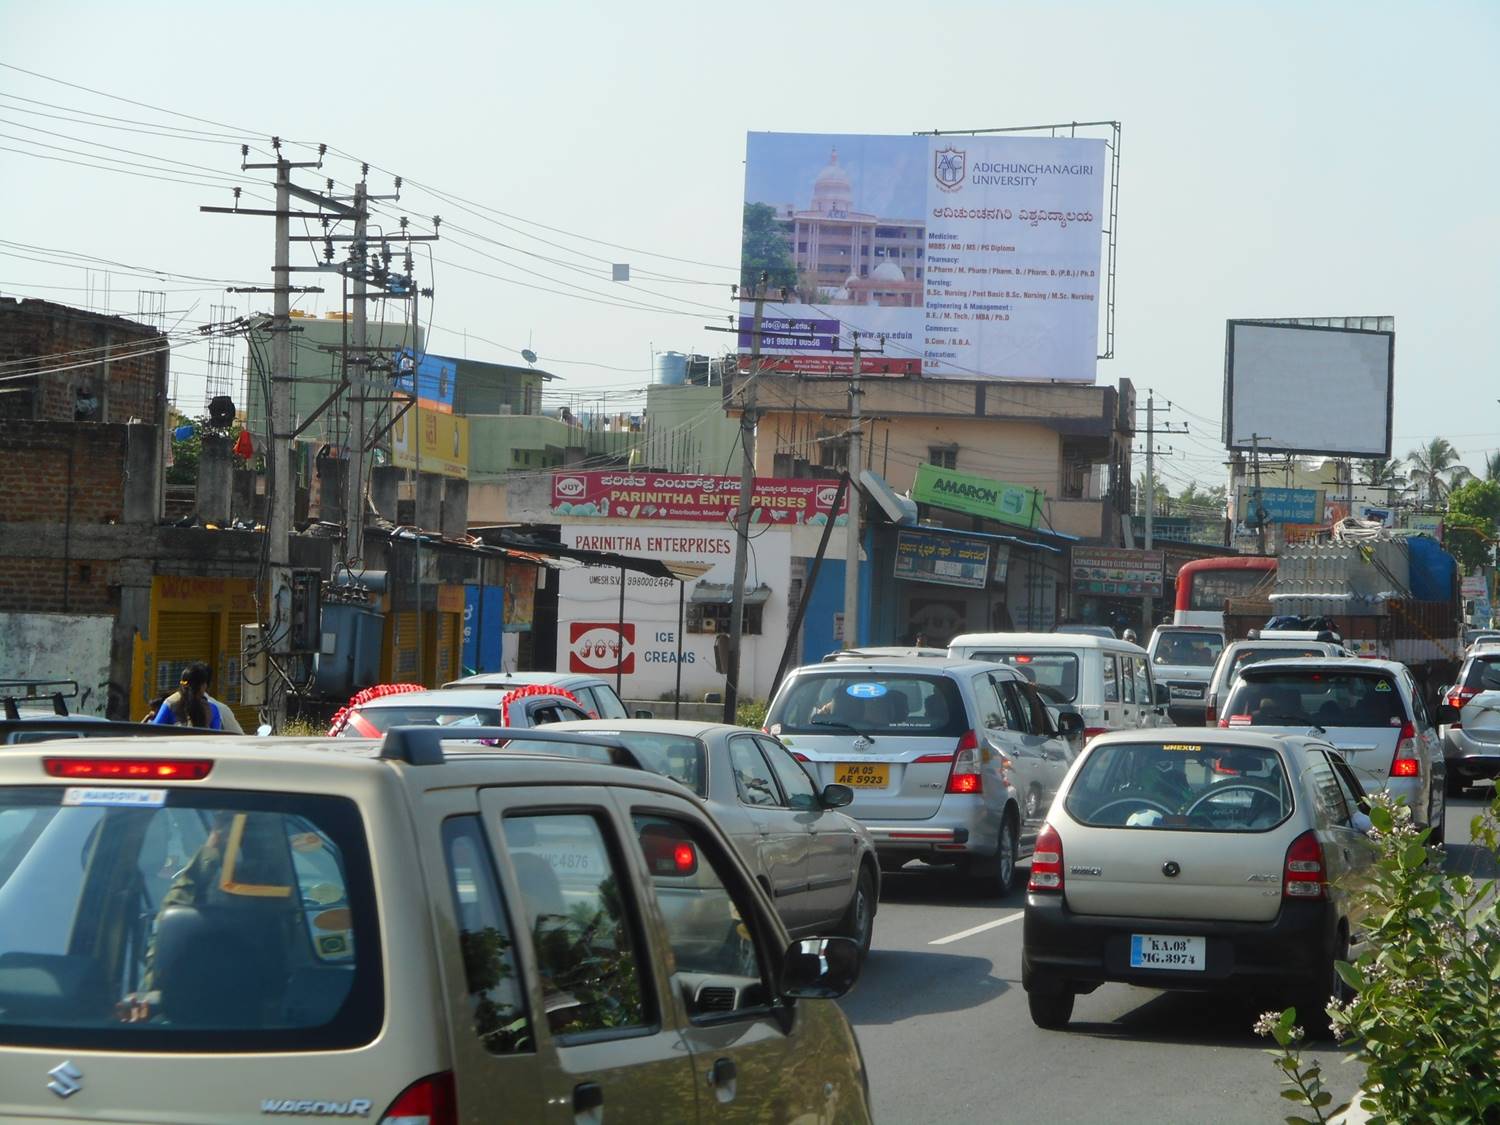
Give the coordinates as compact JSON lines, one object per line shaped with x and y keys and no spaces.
{"x":723,"y":1073}
{"x":587,"y":1096}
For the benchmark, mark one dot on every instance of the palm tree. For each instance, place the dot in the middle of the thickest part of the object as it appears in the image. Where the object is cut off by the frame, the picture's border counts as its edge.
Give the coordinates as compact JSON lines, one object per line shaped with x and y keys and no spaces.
{"x":1492,"y":466}
{"x":1434,"y":468}
{"x":1381,"y":473}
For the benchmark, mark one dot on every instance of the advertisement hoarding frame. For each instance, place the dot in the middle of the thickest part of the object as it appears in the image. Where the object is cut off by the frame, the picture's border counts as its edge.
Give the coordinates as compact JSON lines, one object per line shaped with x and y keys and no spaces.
{"x":1270,"y":443}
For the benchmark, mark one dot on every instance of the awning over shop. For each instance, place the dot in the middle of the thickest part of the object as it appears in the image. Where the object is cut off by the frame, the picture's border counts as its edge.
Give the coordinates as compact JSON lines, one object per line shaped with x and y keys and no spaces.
{"x":1038,"y":540}
{"x":722,"y":593}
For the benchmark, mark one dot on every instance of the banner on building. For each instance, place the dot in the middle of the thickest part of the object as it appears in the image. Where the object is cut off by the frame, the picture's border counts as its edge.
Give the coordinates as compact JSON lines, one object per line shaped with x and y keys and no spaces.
{"x":1107,"y":570}
{"x":1431,"y":523}
{"x":978,"y":496}
{"x":948,"y":560}
{"x":683,"y":496}
{"x":431,"y":442}
{"x":432,"y":378}
{"x":964,"y":256}
{"x":1281,"y":505}
{"x":605,"y":648}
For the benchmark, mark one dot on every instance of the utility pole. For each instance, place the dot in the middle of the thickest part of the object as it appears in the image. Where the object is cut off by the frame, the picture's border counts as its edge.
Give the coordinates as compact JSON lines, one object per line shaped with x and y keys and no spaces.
{"x":359,"y":383}
{"x":851,"y":545}
{"x":1258,"y":509}
{"x":1146,"y":607}
{"x":742,"y":514}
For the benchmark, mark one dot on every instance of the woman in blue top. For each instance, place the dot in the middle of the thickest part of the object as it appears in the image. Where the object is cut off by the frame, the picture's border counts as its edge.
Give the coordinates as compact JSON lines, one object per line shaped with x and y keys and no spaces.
{"x":190,"y":705}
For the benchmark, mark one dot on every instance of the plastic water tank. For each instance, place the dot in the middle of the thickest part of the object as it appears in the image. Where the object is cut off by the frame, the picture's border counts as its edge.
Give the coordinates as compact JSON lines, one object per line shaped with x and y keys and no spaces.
{"x":671,"y":369}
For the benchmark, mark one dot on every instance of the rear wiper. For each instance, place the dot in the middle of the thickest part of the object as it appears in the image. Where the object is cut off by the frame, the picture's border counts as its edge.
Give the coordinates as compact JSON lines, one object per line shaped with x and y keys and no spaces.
{"x":841,"y":726}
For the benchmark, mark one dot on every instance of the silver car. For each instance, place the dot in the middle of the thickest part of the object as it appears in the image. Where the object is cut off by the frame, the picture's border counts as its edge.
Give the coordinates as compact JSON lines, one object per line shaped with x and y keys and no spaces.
{"x":1471,"y":744}
{"x":817,"y":865}
{"x":1371,"y":710}
{"x":1182,"y":657}
{"x":1196,"y":859}
{"x":951,"y":762}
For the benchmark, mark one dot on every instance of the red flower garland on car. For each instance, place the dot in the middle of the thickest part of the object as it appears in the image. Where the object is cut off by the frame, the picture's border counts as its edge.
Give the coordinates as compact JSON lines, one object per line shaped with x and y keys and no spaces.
{"x":528,"y":691}
{"x":379,"y":691}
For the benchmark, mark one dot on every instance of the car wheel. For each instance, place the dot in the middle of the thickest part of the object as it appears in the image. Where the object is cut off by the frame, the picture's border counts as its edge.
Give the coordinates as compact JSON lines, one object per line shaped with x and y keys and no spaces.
{"x":998,"y":872}
{"x":858,"y":922}
{"x":1312,"y":1003}
{"x":1051,"y":1009}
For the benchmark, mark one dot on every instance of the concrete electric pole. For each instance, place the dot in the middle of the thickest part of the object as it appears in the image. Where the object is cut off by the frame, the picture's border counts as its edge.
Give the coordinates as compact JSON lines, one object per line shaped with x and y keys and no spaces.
{"x":742,"y":513}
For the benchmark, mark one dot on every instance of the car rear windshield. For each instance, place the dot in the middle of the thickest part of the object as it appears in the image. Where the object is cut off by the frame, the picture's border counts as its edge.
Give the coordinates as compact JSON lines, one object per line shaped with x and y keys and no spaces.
{"x":1192,"y":650}
{"x":139,"y":919}
{"x":671,"y":755}
{"x":383,"y":719}
{"x":1054,"y":673}
{"x":1325,"y":698}
{"x":1192,"y":786}
{"x":870,"y":703}
{"x":1483,"y":673}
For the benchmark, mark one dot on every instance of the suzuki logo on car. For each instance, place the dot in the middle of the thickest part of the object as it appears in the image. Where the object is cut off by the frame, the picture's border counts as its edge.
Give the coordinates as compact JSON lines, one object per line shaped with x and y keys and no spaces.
{"x":67,"y":1080}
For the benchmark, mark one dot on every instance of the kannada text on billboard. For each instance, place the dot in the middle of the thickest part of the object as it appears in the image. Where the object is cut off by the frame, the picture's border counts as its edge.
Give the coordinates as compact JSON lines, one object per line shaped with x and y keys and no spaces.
{"x":965,"y":256}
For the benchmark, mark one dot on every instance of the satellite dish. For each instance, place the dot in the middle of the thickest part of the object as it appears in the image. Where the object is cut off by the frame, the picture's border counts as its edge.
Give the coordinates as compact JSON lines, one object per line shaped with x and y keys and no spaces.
{"x":528,"y":355}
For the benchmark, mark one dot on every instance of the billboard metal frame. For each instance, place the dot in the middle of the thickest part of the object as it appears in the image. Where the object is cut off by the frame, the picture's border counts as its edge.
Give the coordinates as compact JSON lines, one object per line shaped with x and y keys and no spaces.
{"x":1269,"y":445}
{"x":1070,"y":129}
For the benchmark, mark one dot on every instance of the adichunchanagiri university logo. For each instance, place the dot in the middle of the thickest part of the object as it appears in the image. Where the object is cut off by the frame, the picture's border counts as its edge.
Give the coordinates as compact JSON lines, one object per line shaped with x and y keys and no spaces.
{"x":948,"y":168}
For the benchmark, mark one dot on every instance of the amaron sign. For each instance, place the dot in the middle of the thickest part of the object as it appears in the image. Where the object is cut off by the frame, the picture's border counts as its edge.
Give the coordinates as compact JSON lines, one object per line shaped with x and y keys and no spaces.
{"x":601,"y":647}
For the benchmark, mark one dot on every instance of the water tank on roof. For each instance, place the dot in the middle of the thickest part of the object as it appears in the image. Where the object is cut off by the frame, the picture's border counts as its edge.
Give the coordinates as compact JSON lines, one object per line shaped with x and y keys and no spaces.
{"x":671,"y":369}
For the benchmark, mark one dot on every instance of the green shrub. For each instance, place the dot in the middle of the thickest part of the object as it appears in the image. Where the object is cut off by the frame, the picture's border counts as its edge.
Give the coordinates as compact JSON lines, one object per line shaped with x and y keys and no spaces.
{"x":1424,"y":1018}
{"x":303,"y":727}
{"x":751,"y":713}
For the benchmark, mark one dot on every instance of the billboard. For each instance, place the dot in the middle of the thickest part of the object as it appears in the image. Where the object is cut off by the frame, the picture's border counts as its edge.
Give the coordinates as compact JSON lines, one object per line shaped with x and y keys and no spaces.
{"x":1280,"y":377}
{"x":1281,"y":505}
{"x":971,"y":256}
{"x":1110,"y":570}
{"x":979,"y":496}
{"x":430,"y":377}
{"x":947,"y":560}
{"x":431,"y":442}
{"x":688,"y":496}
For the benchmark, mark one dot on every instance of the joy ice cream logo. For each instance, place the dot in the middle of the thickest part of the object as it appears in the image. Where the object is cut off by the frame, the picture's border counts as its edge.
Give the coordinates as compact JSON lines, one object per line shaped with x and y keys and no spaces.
{"x":826,"y":496}
{"x":604,"y":648}
{"x":569,"y":487}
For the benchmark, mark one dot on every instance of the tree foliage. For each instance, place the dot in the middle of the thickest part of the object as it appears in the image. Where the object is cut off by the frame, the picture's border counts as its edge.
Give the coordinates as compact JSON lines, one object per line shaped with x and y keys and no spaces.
{"x":1472,"y":521}
{"x":1379,"y":472}
{"x":764,"y":249}
{"x":185,"y":453}
{"x":1435,"y":469}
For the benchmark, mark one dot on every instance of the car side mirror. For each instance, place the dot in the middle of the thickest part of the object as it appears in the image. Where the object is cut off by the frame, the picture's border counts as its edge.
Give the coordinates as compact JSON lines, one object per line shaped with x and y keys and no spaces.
{"x":1070,"y":724}
{"x":643,"y":713}
{"x":1163,"y":695}
{"x":1445,"y":715}
{"x":819,"y":968}
{"x":835,"y":796}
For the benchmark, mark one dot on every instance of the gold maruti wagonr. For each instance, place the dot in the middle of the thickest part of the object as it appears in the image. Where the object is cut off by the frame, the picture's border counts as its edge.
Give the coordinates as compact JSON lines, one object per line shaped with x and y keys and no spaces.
{"x":220,"y":929}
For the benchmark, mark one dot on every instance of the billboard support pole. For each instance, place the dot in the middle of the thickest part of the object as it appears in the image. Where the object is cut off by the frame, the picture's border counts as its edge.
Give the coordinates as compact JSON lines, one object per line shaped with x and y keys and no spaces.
{"x":620,"y":633}
{"x":1258,"y":510}
{"x":851,"y":550}
{"x":681,"y":613}
{"x":742,"y":514}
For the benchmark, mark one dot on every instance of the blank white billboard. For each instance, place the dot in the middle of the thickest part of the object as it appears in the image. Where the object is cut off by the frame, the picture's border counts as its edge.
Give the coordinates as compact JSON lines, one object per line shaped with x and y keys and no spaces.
{"x":1308,"y":389}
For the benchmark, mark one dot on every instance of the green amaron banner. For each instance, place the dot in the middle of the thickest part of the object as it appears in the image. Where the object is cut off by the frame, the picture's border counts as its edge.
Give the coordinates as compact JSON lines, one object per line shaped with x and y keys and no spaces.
{"x":979,"y":496}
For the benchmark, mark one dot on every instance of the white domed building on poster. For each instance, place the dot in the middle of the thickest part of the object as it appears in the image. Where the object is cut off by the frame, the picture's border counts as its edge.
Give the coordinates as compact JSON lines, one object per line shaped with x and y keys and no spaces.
{"x":854,"y":257}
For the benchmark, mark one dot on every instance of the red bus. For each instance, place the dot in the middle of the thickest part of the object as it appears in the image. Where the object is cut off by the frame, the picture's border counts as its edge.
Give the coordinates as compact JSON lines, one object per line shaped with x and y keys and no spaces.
{"x":1203,"y":586}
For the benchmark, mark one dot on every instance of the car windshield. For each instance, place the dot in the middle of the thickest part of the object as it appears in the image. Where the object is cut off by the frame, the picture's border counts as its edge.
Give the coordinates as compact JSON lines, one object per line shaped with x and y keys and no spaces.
{"x":1194,"y":650}
{"x":1192,"y":786}
{"x":383,"y":719}
{"x":141,"y":919}
{"x":1484,"y":673}
{"x":1054,"y":673}
{"x":671,"y":755}
{"x":871,"y":703}
{"x":1315,"y":697}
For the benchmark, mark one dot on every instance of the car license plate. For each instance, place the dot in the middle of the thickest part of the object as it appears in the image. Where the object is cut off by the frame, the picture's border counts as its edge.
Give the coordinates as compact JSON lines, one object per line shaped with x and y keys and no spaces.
{"x":862,"y":775}
{"x":1158,"y":951}
{"x":1187,"y":692}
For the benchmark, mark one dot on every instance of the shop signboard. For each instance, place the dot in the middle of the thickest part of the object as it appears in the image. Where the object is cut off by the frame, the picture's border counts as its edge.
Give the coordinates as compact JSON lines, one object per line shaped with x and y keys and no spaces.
{"x":1108,"y":570}
{"x":1472,"y":586}
{"x":978,"y":496}
{"x":1282,"y":505}
{"x":617,"y":495}
{"x":1430,"y":522}
{"x":948,"y":560}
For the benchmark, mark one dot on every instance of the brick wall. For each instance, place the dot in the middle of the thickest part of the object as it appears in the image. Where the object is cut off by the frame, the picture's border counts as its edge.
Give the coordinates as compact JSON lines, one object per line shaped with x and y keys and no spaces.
{"x":120,"y":367}
{"x":34,"y":471}
{"x":36,"y":586}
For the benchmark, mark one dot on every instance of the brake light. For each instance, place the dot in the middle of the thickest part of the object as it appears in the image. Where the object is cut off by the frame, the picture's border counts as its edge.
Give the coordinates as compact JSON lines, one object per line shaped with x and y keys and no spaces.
{"x":129,"y":769}
{"x":685,"y":859}
{"x":1405,"y":763}
{"x":965,"y":777}
{"x":1211,"y":712}
{"x":800,"y":757}
{"x":428,"y":1101}
{"x":1046,"y":863}
{"x":1303,"y":877}
{"x":1456,"y":699}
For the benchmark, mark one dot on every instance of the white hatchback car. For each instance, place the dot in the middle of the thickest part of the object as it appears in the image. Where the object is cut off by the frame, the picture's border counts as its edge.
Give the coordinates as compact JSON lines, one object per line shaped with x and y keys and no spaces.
{"x":1196,"y":859}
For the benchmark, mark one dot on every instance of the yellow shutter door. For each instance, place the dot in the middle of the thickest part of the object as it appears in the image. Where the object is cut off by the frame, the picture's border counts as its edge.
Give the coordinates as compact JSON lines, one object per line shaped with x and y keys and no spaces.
{"x":181,"y":639}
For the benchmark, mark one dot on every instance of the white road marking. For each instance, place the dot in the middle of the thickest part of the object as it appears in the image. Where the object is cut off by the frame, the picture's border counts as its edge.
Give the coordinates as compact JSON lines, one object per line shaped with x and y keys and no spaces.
{"x":978,"y":929}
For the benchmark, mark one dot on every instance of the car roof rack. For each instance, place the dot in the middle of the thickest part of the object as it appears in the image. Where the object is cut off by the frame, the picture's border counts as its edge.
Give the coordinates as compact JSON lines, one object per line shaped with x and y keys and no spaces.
{"x":85,"y":726}
{"x":423,"y":745}
{"x":33,"y":690}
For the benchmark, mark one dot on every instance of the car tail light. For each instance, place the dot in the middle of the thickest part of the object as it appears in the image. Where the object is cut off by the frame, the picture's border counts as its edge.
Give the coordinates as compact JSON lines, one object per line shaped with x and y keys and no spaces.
{"x":1046,"y":863}
{"x":428,"y":1101}
{"x":1303,"y":877}
{"x":1456,"y":699}
{"x":1405,"y":763}
{"x":1093,"y":732}
{"x":666,"y":852}
{"x":1211,"y":711}
{"x":965,"y":776}
{"x":129,"y":769}
{"x":801,"y":757}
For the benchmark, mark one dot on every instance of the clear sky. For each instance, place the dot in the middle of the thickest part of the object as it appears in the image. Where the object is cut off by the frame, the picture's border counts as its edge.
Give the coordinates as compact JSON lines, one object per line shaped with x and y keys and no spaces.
{"x":1283,"y":159}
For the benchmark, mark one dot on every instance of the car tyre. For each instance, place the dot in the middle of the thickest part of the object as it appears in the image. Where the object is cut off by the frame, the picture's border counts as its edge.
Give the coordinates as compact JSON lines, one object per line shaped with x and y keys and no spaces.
{"x":997,"y":873}
{"x":858,"y":923}
{"x":1312,"y":1002}
{"x":1051,"y":1009}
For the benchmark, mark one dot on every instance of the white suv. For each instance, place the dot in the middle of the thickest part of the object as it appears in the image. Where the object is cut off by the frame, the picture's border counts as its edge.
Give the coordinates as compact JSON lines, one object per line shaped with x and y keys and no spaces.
{"x":951,"y":762}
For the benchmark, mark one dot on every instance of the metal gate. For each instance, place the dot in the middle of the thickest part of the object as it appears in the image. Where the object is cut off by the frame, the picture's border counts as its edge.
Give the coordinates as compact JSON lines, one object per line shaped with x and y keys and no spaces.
{"x":181,"y":639}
